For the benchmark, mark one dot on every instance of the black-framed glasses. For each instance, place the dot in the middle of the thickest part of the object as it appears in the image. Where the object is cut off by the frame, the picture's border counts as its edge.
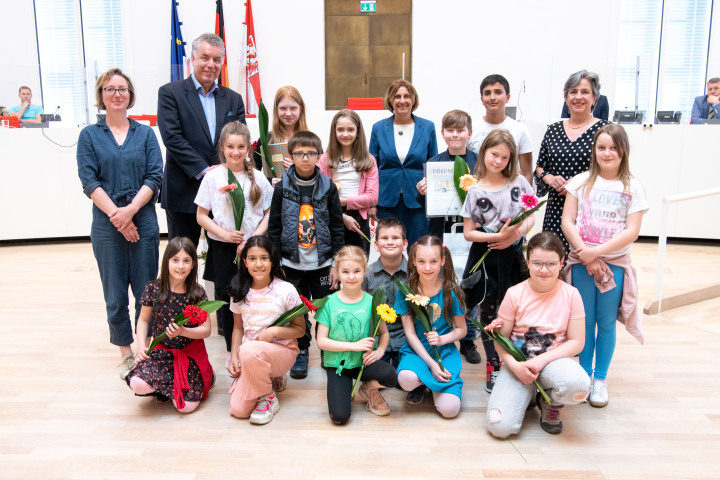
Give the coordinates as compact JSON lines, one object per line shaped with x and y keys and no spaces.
{"x":551,"y":266}
{"x":301,"y":155}
{"x":112,"y":90}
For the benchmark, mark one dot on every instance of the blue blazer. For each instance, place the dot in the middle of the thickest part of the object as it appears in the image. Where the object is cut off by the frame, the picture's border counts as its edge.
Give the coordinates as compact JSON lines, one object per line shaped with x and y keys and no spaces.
{"x":186,"y":136}
{"x":394,"y":175}
{"x":701,"y":109}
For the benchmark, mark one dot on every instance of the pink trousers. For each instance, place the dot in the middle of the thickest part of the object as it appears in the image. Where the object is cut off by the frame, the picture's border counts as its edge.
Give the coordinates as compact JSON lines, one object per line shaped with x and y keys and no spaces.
{"x":260,"y":362}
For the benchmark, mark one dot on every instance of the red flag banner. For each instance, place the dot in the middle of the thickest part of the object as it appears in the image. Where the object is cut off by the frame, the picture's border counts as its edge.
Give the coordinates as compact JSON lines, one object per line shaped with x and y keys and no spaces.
{"x":250,"y":62}
{"x":220,"y":32}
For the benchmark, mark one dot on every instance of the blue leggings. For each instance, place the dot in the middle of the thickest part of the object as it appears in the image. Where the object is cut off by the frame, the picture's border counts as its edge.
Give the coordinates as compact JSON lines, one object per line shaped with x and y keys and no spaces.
{"x":601,"y":311}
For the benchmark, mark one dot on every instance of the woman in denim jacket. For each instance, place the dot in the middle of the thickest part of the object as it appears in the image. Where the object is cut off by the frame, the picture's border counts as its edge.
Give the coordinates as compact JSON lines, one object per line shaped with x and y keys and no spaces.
{"x":120,"y":167}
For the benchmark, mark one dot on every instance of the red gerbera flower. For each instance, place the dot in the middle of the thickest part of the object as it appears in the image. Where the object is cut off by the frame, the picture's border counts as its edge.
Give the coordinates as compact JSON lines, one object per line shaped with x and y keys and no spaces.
{"x":195,"y":315}
{"x":308,"y":305}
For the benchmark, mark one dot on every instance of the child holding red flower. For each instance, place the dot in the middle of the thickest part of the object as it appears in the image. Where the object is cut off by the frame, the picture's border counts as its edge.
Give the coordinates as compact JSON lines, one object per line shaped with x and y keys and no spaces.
{"x":488,"y":211}
{"x":183,"y":347}
{"x":261,"y":354}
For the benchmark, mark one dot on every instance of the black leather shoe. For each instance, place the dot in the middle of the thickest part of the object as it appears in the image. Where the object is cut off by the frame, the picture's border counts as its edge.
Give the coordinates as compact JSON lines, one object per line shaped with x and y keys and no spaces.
{"x":469,"y":351}
{"x":299,"y":370}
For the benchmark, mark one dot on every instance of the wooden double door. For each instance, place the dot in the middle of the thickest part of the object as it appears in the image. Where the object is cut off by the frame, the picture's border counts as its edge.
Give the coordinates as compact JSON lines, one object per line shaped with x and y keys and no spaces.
{"x":364,"y":51}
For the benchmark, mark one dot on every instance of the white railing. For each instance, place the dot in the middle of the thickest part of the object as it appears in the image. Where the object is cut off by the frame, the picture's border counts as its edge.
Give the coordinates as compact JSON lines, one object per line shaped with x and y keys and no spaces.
{"x":662,"y":238}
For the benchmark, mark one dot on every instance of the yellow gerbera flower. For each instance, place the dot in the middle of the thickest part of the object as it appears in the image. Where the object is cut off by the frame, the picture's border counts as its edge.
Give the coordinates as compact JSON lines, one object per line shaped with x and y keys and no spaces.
{"x":386,"y":313}
{"x":467,"y":181}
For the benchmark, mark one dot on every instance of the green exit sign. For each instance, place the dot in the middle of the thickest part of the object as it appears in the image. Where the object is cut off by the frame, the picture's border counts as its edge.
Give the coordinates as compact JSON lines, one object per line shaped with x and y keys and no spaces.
{"x":367,"y":6}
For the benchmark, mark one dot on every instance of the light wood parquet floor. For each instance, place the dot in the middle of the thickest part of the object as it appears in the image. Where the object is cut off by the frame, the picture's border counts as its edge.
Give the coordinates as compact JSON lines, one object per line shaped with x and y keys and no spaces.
{"x":64,"y":414}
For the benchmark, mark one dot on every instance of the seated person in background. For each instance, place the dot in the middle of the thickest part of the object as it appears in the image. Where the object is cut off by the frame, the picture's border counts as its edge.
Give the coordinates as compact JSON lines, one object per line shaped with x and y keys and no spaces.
{"x":26,"y":112}
{"x":707,"y":106}
{"x":494,"y":94}
{"x":600,"y":110}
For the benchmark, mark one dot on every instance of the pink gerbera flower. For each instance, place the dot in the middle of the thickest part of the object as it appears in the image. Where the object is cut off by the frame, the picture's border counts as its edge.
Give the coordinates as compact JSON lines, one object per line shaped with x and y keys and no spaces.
{"x":497,"y":323}
{"x":228,"y":188}
{"x":528,"y":201}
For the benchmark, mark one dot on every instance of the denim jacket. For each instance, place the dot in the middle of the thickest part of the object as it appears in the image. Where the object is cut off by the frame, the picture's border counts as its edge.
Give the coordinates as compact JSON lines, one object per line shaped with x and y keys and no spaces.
{"x":120,"y":170}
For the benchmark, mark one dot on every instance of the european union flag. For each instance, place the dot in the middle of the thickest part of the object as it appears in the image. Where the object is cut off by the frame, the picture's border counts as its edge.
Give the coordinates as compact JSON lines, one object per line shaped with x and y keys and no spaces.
{"x":177,"y":46}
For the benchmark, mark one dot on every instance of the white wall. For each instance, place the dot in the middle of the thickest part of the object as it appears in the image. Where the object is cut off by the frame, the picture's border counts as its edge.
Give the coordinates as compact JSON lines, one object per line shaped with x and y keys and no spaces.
{"x":18,"y":55}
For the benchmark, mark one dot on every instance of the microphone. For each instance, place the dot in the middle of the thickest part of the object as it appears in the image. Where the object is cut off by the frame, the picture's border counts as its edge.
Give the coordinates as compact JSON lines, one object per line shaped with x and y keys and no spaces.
{"x":53,"y":118}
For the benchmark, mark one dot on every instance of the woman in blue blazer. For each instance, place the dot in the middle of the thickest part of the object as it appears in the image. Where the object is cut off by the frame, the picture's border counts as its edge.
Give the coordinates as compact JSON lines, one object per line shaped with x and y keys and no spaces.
{"x":402,"y":144}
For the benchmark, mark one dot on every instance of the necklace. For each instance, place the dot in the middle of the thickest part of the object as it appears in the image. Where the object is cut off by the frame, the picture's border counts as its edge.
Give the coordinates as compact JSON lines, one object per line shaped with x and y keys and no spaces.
{"x":580,"y":126}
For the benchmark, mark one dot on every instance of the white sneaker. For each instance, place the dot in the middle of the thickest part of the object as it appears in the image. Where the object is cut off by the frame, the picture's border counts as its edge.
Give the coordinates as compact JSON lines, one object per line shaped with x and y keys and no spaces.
{"x":599,"y":394}
{"x":127,"y":365}
{"x":267,"y":406}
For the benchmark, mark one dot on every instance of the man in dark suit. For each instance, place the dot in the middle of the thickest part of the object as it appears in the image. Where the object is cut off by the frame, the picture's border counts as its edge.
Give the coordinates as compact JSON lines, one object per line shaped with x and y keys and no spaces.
{"x":707,"y":106}
{"x":191,"y":114}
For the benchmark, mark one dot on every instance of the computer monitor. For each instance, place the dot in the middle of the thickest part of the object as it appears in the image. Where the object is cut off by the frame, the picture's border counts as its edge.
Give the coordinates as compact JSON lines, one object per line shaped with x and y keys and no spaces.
{"x":627,"y":116}
{"x":511,"y":112}
{"x":667,"y":116}
{"x":49,"y":117}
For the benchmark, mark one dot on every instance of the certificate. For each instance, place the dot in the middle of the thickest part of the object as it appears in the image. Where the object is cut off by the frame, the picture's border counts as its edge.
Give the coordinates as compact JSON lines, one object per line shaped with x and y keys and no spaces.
{"x":441,"y":199}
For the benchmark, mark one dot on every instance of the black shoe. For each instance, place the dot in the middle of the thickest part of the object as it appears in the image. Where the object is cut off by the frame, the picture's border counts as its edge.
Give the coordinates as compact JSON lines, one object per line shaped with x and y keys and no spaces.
{"x":299,"y":370}
{"x":493,"y":369}
{"x":416,"y":396}
{"x":469,"y":351}
{"x":160,"y":398}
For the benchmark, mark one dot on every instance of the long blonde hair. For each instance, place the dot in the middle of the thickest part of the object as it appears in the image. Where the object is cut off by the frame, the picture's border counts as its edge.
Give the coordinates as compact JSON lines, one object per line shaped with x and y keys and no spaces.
{"x":619,"y":137}
{"x":449,"y":279}
{"x":278,"y":131}
{"x":497,"y":137}
{"x":360,"y":155}
{"x":239,"y":128}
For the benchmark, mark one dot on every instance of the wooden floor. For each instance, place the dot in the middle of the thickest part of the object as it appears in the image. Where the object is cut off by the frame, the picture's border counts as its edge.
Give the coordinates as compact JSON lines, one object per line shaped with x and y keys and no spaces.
{"x":64,"y":414}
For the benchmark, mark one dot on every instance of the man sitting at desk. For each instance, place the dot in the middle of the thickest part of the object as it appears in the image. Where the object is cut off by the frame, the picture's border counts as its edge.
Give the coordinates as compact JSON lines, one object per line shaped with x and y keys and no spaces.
{"x":26,"y":112}
{"x":706,"y":106}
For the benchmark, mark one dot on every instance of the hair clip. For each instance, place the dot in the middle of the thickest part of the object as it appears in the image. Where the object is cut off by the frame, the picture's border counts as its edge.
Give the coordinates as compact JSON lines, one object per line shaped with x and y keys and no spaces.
{"x":443,"y":245}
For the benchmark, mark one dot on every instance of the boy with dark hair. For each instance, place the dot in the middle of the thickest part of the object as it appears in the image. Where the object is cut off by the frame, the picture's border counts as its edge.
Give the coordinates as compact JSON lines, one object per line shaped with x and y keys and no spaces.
{"x":306,"y":223}
{"x":495,"y":93}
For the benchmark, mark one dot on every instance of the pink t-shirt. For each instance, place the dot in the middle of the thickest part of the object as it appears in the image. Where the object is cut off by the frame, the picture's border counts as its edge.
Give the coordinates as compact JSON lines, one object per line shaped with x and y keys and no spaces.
{"x":262,"y":307}
{"x":541,"y":319}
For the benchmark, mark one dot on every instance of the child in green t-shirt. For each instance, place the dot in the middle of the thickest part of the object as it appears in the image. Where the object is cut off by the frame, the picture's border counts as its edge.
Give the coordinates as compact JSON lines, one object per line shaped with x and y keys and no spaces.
{"x":344,"y":335}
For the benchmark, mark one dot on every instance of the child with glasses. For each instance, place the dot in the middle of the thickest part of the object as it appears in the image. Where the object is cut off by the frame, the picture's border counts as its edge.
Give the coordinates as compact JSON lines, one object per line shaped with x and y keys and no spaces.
{"x":488,"y":208}
{"x":544,"y":317}
{"x":306,"y":223}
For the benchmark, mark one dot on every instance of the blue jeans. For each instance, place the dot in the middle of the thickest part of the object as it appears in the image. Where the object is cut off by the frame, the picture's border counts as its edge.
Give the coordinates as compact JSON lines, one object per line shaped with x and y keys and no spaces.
{"x":414,"y":219}
{"x":601,"y":312}
{"x":471,"y":328}
{"x":122,"y":263}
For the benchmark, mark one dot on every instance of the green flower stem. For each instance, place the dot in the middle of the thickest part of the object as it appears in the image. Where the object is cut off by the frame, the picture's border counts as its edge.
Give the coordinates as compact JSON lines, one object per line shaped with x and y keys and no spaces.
{"x":482,"y":259}
{"x":362,"y":369}
{"x":159,"y":338}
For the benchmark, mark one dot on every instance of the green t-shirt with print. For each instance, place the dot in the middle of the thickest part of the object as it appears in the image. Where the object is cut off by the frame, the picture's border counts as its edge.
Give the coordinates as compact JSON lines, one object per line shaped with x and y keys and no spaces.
{"x":348,"y":322}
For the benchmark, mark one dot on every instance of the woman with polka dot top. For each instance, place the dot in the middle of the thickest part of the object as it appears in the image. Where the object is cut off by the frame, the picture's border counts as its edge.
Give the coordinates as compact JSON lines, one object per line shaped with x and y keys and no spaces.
{"x":567,"y":145}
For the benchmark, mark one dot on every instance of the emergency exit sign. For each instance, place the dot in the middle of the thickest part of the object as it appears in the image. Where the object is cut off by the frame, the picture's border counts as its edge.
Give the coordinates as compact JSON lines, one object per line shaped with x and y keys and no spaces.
{"x":367,"y":7}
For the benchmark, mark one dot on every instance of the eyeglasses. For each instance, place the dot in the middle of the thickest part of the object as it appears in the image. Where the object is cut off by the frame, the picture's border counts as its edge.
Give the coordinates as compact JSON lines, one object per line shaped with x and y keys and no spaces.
{"x":551,"y":266}
{"x":301,"y":155}
{"x":111,"y":91}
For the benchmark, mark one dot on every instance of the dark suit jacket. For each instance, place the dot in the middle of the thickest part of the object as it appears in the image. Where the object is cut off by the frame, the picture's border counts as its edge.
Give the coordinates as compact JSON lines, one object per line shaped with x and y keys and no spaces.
{"x":601,"y":110}
{"x":185,"y":133}
{"x":395,"y":175}
{"x":701,"y":109}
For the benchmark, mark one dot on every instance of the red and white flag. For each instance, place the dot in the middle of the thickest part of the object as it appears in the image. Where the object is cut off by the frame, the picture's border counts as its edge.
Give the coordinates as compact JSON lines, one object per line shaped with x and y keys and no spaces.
{"x":250,"y":64}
